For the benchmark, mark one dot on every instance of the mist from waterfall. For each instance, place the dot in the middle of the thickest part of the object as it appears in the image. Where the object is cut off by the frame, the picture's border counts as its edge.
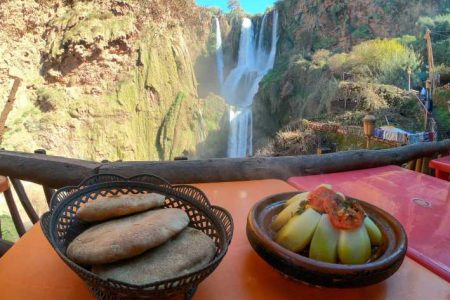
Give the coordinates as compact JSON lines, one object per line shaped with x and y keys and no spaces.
{"x":241,"y":85}
{"x":219,"y":55}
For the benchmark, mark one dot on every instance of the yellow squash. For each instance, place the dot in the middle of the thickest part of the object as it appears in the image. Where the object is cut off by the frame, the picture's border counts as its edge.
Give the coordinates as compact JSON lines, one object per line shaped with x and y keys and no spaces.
{"x":298,"y":231}
{"x":354,"y":246}
{"x":297,"y":199}
{"x":288,"y":212}
{"x":324,"y":242}
{"x":374,"y":232}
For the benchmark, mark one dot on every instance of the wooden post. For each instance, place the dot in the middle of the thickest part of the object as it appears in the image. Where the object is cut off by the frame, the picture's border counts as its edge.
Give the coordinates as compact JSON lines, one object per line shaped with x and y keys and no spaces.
{"x":412,"y":165}
{"x":23,"y":197}
{"x":8,"y":106}
{"x":14,"y":212}
{"x":419,"y":165}
{"x":426,"y":120}
{"x":425,"y":168}
{"x":48,"y":192}
{"x":409,"y":77}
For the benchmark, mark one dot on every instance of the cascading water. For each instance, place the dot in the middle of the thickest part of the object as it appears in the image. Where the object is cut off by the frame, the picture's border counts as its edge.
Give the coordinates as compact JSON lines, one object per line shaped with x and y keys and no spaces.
{"x":219,"y":55}
{"x":241,"y":85}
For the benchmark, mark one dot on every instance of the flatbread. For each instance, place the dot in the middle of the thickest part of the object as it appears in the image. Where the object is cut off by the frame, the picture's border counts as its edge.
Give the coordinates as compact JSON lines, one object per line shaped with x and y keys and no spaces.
{"x":104,"y":208}
{"x":126,"y":237}
{"x":187,"y":252}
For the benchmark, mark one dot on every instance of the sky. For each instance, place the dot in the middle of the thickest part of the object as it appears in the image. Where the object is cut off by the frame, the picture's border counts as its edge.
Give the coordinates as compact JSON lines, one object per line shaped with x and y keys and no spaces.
{"x":250,"y":6}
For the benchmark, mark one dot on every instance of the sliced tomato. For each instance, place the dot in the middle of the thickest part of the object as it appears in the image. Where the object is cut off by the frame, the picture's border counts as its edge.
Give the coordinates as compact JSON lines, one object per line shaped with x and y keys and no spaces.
{"x":317,"y":197}
{"x":344,"y":214}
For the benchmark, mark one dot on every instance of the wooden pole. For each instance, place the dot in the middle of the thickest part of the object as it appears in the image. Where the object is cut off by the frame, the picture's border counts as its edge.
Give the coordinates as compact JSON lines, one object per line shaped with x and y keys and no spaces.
{"x":425,"y":168}
{"x":427,"y":38}
{"x":8,"y":106}
{"x":57,"y":171}
{"x":409,"y":77}
{"x":419,"y":165}
{"x":24,"y":200}
{"x":17,"y":220}
{"x":411,"y":165}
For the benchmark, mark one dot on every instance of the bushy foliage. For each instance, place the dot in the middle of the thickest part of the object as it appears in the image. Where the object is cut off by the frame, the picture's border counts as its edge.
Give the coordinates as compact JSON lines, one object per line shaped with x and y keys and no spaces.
{"x":440,"y":37}
{"x":323,"y":42}
{"x":438,"y":23}
{"x":321,"y":57}
{"x":381,"y":60}
{"x":362,"y":32}
{"x":407,"y":40}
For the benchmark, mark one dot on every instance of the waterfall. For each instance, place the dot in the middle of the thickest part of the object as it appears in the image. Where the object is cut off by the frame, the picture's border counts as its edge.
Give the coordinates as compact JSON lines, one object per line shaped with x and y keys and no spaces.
{"x":241,"y":85}
{"x":219,"y":55}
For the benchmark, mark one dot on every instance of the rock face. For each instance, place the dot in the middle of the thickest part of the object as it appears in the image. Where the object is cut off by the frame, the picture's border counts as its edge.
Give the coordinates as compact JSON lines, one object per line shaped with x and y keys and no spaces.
{"x":311,"y":25}
{"x":108,"y":79}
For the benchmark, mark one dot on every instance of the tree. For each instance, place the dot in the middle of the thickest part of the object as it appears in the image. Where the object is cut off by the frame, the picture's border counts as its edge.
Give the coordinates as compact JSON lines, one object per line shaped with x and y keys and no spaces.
{"x":234,"y":5}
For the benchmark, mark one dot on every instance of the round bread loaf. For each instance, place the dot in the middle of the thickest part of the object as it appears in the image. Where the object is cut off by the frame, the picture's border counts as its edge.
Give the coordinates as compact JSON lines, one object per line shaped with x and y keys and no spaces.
{"x":126,"y":237}
{"x":104,"y":208}
{"x":187,"y":252}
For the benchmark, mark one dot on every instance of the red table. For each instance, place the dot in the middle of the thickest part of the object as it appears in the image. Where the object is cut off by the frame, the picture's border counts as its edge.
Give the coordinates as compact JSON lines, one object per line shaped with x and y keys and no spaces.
{"x":420,"y":202}
{"x":442,"y":167}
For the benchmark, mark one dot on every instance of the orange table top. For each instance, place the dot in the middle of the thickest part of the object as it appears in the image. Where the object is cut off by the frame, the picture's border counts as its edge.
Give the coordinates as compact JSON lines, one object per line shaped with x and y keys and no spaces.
{"x":4,"y":185}
{"x":31,"y":269}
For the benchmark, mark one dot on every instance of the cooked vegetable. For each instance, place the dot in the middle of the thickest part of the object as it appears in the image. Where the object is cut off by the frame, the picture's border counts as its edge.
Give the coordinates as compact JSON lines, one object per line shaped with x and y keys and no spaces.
{"x":354,"y":246}
{"x":374,"y":232}
{"x":324,"y":242}
{"x":330,"y":224}
{"x":319,"y":195}
{"x":297,"y":198}
{"x":298,"y":232}
{"x":347,"y":214}
{"x":287,"y":213}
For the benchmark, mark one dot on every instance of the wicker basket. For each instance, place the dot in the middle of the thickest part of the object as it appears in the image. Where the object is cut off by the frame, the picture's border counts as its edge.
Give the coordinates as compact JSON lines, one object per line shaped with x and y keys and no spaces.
{"x":60,"y":226}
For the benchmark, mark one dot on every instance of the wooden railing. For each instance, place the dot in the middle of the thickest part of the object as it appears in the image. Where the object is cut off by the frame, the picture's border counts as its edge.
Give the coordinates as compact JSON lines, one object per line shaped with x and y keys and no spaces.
{"x":55,"y":171}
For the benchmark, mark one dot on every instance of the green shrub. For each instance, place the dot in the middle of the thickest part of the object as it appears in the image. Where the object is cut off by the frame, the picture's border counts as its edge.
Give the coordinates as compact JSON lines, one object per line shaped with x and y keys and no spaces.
{"x":407,"y":40}
{"x":335,"y":10}
{"x":441,"y":113}
{"x":440,"y":38}
{"x":381,"y":60}
{"x":321,"y":57}
{"x":362,"y":32}
{"x":441,"y":52}
{"x":323,"y":42}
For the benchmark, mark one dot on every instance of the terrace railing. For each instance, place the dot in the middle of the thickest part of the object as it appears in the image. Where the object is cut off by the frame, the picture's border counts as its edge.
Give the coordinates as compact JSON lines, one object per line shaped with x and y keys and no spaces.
{"x":55,"y":172}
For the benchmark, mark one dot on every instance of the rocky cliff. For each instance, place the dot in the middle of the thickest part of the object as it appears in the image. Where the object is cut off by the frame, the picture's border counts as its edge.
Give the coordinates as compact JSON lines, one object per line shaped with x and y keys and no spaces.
{"x":307,"y":25}
{"x":109,"y":79}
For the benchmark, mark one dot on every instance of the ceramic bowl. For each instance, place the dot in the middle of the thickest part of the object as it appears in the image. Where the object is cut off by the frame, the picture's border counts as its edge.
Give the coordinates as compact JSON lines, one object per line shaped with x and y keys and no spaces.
{"x":384,"y":262}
